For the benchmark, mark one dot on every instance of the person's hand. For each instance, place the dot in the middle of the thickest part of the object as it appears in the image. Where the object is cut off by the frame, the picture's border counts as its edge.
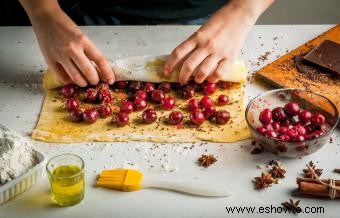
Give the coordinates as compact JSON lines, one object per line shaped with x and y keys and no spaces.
{"x":68,"y":52}
{"x":208,"y":53}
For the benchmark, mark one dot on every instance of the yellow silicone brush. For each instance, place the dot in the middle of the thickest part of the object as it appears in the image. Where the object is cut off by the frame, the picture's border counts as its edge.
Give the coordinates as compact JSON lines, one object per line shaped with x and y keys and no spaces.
{"x":132,"y":180}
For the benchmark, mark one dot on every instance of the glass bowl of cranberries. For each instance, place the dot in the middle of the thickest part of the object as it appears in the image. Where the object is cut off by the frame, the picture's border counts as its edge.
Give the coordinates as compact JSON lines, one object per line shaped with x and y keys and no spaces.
{"x":291,"y":122}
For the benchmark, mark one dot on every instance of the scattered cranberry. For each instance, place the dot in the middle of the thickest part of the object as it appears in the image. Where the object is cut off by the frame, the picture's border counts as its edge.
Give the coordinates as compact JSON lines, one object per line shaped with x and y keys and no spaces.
{"x":141,"y":94}
{"x":76,"y":115}
{"x":122,"y":119}
{"x":225,"y":85}
{"x":90,"y":115}
{"x":68,"y":91}
{"x":175,"y":117}
{"x":122,"y":84}
{"x":104,"y":111}
{"x":168,"y":103}
{"x":305,"y":116}
{"x":209,"y":112}
{"x":105,"y":96}
{"x":223,"y":100}
{"x":126,"y":106}
{"x":222,"y":117}
{"x":149,"y":87}
{"x":149,"y":116}
{"x":165,"y":87}
{"x":188,"y":92}
{"x":266,"y":116}
{"x":318,"y":119}
{"x":135,"y":86}
{"x":283,"y":137}
{"x":193,"y":104}
{"x":292,"y":109}
{"x":300,"y":129}
{"x":279,"y":114}
{"x":91,"y":95}
{"x":205,"y":102}
{"x":275,"y":125}
{"x":261,"y":130}
{"x":270,"y":134}
{"x":197,"y":117}
{"x":209,"y":88}
{"x":140,"y":104}
{"x":157,"y":96}
{"x":72,"y":104}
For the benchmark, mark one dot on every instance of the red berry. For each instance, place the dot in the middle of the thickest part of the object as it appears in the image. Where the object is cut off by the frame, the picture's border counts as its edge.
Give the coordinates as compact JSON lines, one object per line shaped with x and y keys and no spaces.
{"x":165,"y":87}
{"x":149,"y":87}
{"x":313,"y":135}
{"x":68,"y":91}
{"x":141,"y":94}
{"x":291,"y":133}
{"x":122,"y":119}
{"x":72,"y":104}
{"x":135,"y":86}
{"x":279,"y":114}
{"x":265,"y":116}
{"x":309,"y":128}
{"x":104,"y":111}
{"x":225,"y":85}
{"x":222,"y":117}
{"x":283,"y":137}
{"x":105,"y":96}
{"x":175,"y":117}
{"x":91,"y":95}
{"x":318,"y":119}
{"x":205,"y":102}
{"x":305,"y":116}
{"x":270,"y":134}
{"x":149,"y":116}
{"x":209,"y":112}
{"x":287,"y":124}
{"x":197,"y":117}
{"x":126,"y":106}
{"x":193,"y":104}
{"x":292,"y":109}
{"x":275,"y":125}
{"x":188,"y":92}
{"x":261,"y":130}
{"x":168,"y":103}
{"x":122,"y":84}
{"x":90,"y":115}
{"x":223,"y":100}
{"x":268,"y":126}
{"x":209,"y":88}
{"x":282,"y":130}
{"x":300,"y":129}
{"x":76,"y":115}
{"x":197,"y":87}
{"x":299,"y":138}
{"x":140,"y":104}
{"x":157,"y":96}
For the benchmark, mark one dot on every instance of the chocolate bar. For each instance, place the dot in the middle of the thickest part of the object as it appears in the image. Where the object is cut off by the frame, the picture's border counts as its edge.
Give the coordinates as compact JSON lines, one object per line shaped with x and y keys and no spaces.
{"x":326,"y":55}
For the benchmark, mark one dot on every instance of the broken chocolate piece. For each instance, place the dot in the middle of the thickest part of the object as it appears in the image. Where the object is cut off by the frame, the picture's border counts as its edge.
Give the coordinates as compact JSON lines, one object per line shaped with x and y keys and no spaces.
{"x":326,"y":55}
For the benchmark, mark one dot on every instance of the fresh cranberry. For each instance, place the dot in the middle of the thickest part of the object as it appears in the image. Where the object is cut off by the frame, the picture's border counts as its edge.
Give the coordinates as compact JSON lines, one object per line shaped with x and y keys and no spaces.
{"x":149,"y":116}
{"x":68,"y":91}
{"x":265,"y":116}
{"x":104,"y":111}
{"x":268,"y":126}
{"x":293,"y":121}
{"x":168,"y":103}
{"x":105,"y":96}
{"x":299,"y":138}
{"x":318,"y":119}
{"x":175,"y":117}
{"x":287,"y":124}
{"x":176,"y":86}
{"x":261,"y":130}
{"x":291,"y":133}
{"x":72,"y":104}
{"x":188,"y":92}
{"x":275,"y":125}
{"x":126,"y":106}
{"x":91,"y":95}
{"x":309,"y":128}
{"x":222,"y":117}
{"x":141,"y":94}
{"x":165,"y":87}
{"x":206,"y":102}
{"x":197,"y":87}
{"x":282,"y":130}
{"x":122,"y":119}
{"x":270,"y":134}
{"x":300,"y":129}
{"x":209,"y":88}
{"x":197,"y":117}
{"x":135,"y":86}
{"x":90,"y":115}
{"x":140,"y":104}
{"x":223,"y":100}
{"x":225,"y":85}
{"x":292,"y":109}
{"x":157,"y":96}
{"x":283,"y":137}
{"x":305,"y":116}
{"x":209,"y":112}
{"x":313,"y":135}
{"x":149,"y":87}
{"x":279,"y":114}
{"x":76,"y":115}
{"x":122,"y":84}
{"x":193,"y":104}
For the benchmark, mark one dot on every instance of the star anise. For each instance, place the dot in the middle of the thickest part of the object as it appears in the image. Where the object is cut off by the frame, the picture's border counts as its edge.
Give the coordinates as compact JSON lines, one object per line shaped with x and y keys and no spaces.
{"x":309,"y":171}
{"x":292,"y":206}
{"x":278,"y":172}
{"x":263,"y":181}
{"x":206,"y":160}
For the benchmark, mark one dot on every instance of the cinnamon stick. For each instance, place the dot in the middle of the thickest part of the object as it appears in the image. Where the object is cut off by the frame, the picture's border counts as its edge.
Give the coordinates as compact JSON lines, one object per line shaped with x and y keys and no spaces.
{"x":313,"y":187}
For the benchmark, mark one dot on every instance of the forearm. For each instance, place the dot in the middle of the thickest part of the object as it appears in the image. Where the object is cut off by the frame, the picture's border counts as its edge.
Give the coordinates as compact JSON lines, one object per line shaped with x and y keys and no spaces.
{"x":36,"y":8}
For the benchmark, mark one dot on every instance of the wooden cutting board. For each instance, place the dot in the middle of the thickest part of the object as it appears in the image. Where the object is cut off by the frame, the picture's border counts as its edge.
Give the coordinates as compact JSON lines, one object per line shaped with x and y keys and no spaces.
{"x":283,"y":71}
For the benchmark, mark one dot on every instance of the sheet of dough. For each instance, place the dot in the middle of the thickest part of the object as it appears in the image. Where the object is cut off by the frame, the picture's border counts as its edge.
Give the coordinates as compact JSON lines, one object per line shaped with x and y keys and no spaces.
{"x":54,"y":126}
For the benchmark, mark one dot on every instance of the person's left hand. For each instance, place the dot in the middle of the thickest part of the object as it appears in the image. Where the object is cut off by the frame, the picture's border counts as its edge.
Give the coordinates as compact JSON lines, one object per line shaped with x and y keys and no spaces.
{"x":208,"y":53}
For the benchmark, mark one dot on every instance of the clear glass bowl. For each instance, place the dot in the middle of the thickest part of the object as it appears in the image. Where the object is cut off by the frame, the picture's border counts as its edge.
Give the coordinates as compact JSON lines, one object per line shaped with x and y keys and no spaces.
{"x":307,"y":100}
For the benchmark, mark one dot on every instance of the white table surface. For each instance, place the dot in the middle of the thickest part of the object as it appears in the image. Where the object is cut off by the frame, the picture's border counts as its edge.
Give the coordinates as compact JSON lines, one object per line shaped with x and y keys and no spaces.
{"x":21,"y":96}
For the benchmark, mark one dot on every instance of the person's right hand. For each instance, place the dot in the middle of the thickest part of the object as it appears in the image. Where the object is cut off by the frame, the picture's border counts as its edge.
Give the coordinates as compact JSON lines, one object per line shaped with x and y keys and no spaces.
{"x":68,"y":52}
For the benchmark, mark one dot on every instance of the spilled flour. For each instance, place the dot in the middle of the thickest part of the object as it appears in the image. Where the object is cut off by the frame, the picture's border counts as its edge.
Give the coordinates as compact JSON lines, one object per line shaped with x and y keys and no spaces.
{"x":17,"y":155}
